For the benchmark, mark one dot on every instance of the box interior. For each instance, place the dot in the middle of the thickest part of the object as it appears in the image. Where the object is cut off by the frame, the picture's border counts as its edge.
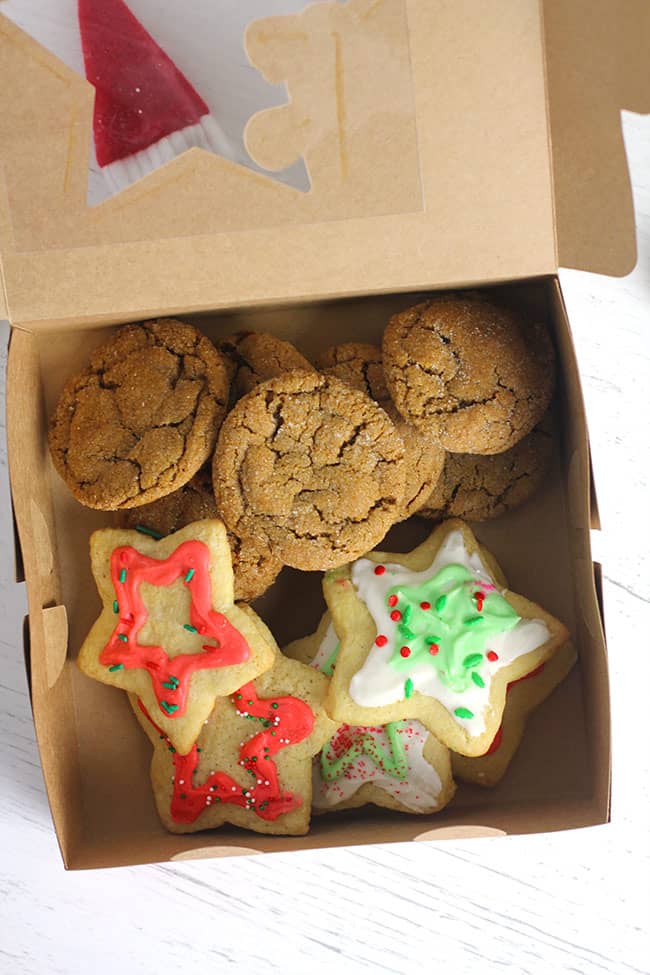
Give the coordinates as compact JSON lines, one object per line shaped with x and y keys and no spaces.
{"x":95,"y":757}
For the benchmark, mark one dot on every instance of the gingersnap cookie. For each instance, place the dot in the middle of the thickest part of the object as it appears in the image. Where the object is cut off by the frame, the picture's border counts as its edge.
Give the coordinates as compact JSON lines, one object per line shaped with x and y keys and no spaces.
{"x":258,"y":356}
{"x":251,"y":763}
{"x":311,"y":466}
{"x":360,"y":365}
{"x":523,"y":696}
{"x":142,"y":418}
{"x":169,"y":630}
{"x":477,"y":376}
{"x":433,"y":635}
{"x":254,"y":566}
{"x":477,"y":487}
{"x":399,"y":765}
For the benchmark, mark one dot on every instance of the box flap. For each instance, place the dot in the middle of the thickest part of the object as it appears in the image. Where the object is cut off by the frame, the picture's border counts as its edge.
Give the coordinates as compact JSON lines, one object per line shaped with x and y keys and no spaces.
{"x":597,"y":64}
{"x":423,"y":128}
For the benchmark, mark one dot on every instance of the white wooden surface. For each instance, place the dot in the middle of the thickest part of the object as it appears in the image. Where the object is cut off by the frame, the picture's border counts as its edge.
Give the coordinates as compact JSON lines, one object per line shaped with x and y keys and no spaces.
{"x":572,"y":902}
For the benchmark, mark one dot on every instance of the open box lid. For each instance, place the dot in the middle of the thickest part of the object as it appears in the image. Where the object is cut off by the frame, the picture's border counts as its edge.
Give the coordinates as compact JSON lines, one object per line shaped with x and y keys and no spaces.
{"x":438,"y":151}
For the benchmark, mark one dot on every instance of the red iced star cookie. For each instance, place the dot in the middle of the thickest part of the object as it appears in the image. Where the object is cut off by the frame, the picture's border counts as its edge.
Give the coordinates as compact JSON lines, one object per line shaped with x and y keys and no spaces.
{"x":169,"y":631}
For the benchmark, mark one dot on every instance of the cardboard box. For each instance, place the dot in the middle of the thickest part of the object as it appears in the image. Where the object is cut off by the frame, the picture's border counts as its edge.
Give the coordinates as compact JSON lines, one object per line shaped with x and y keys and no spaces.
{"x":447,"y":145}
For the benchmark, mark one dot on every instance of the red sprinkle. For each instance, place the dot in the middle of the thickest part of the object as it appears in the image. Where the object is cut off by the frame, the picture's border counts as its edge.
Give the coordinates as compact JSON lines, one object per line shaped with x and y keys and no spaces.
{"x":425,"y":605}
{"x":405,"y":652}
{"x":491,"y":655}
{"x":381,"y":640}
{"x":379,"y":570}
{"x":433,"y":649}
{"x":392,"y":600}
{"x":396,"y":615}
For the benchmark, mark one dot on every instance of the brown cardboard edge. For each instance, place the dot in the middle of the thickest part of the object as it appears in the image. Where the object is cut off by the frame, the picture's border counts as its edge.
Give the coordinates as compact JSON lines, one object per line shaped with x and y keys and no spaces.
{"x":587,"y":575}
{"x":48,"y":673}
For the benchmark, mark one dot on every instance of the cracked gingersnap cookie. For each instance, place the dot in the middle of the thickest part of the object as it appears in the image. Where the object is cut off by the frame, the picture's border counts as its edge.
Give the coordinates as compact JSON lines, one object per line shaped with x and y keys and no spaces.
{"x":477,"y":487}
{"x":142,"y":418}
{"x":477,"y":376}
{"x":360,"y":365}
{"x":258,"y":356}
{"x":254,"y":566}
{"x":312,"y":466}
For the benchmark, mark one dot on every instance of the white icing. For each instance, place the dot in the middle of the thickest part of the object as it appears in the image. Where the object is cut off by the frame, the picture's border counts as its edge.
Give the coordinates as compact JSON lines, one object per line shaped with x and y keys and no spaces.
{"x":420,"y":791}
{"x":329,"y":644}
{"x":378,"y":683}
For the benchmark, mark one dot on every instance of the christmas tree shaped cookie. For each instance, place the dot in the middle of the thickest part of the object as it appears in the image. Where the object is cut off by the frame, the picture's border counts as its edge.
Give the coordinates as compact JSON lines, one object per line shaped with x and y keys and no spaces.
{"x":434,"y":635}
{"x":251,"y":764}
{"x":399,"y":765}
{"x":169,"y":631}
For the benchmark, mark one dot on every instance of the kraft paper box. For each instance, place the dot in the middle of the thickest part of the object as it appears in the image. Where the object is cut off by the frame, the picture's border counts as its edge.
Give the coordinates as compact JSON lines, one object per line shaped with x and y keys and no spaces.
{"x":446,"y":144}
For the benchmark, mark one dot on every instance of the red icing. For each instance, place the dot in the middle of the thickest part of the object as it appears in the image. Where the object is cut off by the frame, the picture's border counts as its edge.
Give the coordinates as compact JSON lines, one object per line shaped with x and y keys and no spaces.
{"x":496,"y":741}
{"x":141,"y":95}
{"x":290,"y":721}
{"x":229,"y":647}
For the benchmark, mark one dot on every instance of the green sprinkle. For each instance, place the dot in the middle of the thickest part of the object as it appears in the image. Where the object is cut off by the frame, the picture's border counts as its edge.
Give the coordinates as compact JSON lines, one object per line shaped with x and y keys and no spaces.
{"x":406,"y":615}
{"x":430,"y":640}
{"x":199,"y":749}
{"x":123,"y":575}
{"x":116,"y":606}
{"x":478,"y":680}
{"x":190,"y":628}
{"x":472,"y":620}
{"x":123,"y":637}
{"x":275,"y":705}
{"x":171,"y":685}
{"x":148,"y":531}
{"x":404,"y":631}
{"x":183,"y":796}
{"x":238,"y":697}
{"x":463,"y":713}
{"x":471,"y":660}
{"x":116,"y":667}
{"x":188,"y":577}
{"x":169,"y":708}
{"x":441,"y":602}
{"x":408,"y":688}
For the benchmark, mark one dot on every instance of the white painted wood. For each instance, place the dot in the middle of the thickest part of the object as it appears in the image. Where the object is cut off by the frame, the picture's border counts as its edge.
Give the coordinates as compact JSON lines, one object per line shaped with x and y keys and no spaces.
{"x":571,"y":902}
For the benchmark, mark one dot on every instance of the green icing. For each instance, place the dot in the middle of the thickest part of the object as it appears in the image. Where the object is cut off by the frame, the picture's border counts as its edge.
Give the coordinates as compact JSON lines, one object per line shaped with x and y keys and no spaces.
{"x":328,"y":667}
{"x":453,"y":624}
{"x":393,"y":762}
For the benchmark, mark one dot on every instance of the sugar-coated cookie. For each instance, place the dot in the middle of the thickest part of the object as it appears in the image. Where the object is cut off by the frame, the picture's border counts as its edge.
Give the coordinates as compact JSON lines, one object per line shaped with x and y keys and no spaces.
{"x":142,"y":418}
{"x":476,"y":487}
{"x":478,"y":376}
{"x":522,"y":697}
{"x":436,"y":635}
{"x":399,"y":765}
{"x":254,"y":566}
{"x":251,"y":764}
{"x":359,"y":364}
{"x":258,"y":356}
{"x":312,"y":467}
{"x":169,"y":631}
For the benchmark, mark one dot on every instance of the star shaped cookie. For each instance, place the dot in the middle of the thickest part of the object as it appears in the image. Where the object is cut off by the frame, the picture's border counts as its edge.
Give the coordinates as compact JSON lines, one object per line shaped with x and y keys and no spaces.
{"x":433,"y":635}
{"x":399,"y":765}
{"x":251,"y":764}
{"x":169,"y":631}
